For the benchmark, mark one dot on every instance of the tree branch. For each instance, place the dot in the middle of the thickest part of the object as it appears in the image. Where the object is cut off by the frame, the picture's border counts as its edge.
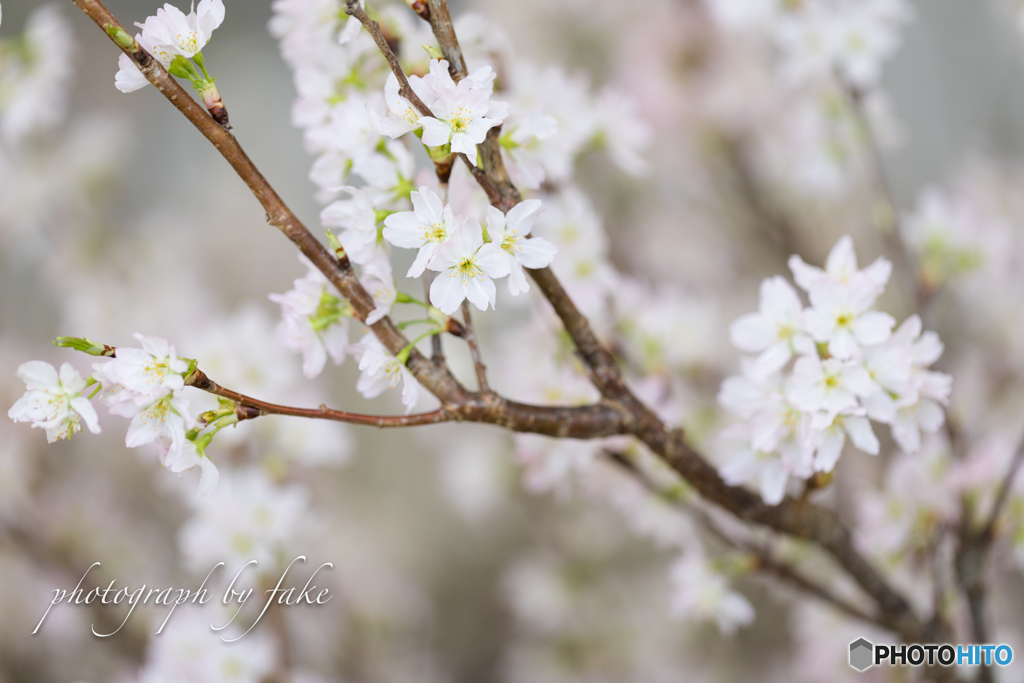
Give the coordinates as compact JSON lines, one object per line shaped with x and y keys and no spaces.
{"x":989,"y":527}
{"x":200,"y":380}
{"x":764,"y":556}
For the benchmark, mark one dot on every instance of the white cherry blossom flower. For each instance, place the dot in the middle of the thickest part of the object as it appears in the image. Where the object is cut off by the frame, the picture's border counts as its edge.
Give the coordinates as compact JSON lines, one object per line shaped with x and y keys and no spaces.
{"x":522,"y":145}
{"x":185,"y":458}
{"x":828,"y":387}
{"x":841,"y":268}
{"x":165,"y":417}
{"x":381,"y":371}
{"x":428,"y":225}
{"x":766,"y":469}
{"x":313,"y":321}
{"x":699,"y":592}
{"x":146,"y":385}
{"x":840,"y":316}
{"x":511,"y":232}
{"x":170,"y":34}
{"x":402,"y":116}
{"x":53,"y":402}
{"x":466,"y":266}
{"x":463,"y":113}
{"x":776,"y":330}
{"x":141,"y":375}
{"x":358,"y":220}
{"x":830,"y":440}
{"x":388,"y":174}
{"x":379,"y":281}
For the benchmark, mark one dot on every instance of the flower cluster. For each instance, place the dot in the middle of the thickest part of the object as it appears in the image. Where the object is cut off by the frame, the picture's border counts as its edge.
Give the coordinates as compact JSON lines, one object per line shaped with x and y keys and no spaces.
{"x":455,"y":247}
{"x":463,"y":113}
{"x":169,"y":35}
{"x":143,"y":384}
{"x":850,"y":368}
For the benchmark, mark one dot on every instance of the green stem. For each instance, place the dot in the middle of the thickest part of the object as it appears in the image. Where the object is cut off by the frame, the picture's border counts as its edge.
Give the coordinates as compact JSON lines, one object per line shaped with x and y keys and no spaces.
{"x":201,"y":61}
{"x":98,"y":389}
{"x":203,"y":441}
{"x":403,"y":355}
{"x":405,"y":323}
{"x":403,"y":298}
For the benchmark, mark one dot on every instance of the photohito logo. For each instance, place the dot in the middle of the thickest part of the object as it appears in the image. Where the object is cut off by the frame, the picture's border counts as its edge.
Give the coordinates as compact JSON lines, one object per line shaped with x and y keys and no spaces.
{"x":863,"y":655}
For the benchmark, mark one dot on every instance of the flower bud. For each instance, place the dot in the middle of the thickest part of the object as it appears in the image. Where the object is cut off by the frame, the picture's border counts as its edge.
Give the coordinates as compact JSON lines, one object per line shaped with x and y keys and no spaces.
{"x":215,"y":105}
{"x":420,"y":7}
{"x":85,"y":346}
{"x":120,"y":36}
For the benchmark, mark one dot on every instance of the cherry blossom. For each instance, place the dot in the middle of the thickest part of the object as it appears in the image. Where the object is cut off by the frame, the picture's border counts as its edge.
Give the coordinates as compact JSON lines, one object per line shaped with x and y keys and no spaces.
{"x":466,"y":267}
{"x":463,"y":113}
{"x":776,"y":330}
{"x":358,"y":220}
{"x":169,"y":34}
{"x":402,"y":116}
{"x":429,"y":224}
{"x":313,"y":321}
{"x":511,"y":232}
{"x":54,"y":402}
{"x":699,"y":592}
{"x":381,"y":371}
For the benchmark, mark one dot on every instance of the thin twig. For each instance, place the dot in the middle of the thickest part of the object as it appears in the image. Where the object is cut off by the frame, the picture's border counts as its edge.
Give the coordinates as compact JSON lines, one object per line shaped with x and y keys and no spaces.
{"x":199,"y":380}
{"x":474,"y":350}
{"x":891,"y":231}
{"x":352,"y":8}
{"x":765,"y":557}
{"x":988,"y":528}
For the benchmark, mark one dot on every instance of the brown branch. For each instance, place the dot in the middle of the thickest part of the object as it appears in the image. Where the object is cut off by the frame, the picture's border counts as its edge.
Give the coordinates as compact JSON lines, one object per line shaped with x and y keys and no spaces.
{"x":764,"y":556}
{"x":972,"y":557}
{"x":199,"y":380}
{"x":891,"y":237}
{"x":474,"y":350}
{"x":988,"y":529}
{"x":444,"y":30}
{"x":577,"y":422}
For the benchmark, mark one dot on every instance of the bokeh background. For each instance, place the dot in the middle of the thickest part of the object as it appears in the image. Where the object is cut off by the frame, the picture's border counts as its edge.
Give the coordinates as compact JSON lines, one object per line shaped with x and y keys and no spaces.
{"x":446,"y":569}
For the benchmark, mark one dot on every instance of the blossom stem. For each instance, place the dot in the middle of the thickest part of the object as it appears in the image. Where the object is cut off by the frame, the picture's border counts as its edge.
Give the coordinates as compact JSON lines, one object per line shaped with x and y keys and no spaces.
{"x":764,"y":558}
{"x":201,"y":63}
{"x":403,"y":355}
{"x":406,"y":323}
{"x":404,"y":298}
